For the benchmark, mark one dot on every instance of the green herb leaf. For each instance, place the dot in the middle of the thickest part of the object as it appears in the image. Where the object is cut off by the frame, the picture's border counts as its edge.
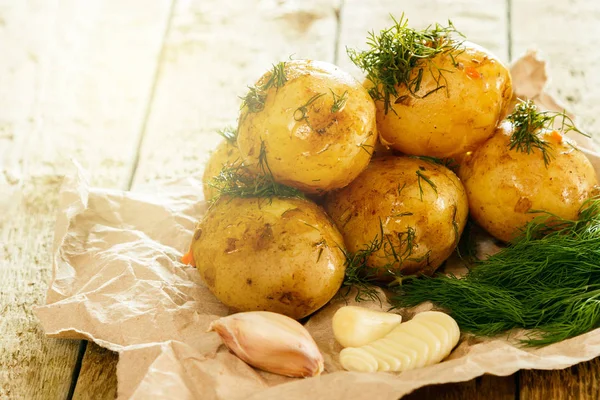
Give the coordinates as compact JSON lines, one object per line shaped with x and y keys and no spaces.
{"x":397,"y":52}
{"x":529,"y":123}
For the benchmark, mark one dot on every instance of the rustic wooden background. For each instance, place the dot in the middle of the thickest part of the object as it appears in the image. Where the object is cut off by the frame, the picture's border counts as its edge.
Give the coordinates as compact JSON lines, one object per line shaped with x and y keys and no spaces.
{"x":134,"y":90}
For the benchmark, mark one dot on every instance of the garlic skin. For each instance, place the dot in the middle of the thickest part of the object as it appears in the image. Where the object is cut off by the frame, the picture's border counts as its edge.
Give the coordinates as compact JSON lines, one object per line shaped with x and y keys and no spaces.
{"x":425,"y":340}
{"x":271,"y":342}
{"x":357,"y":326}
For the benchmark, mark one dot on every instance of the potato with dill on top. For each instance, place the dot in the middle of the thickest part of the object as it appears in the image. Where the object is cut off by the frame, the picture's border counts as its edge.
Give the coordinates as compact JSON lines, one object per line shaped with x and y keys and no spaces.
{"x":272,"y":254}
{"x":527,"y":166}
{"x":402,"y":214}
{"x":436,"y":95}
{"x":226,"y":155}
{"x":314,"y":124}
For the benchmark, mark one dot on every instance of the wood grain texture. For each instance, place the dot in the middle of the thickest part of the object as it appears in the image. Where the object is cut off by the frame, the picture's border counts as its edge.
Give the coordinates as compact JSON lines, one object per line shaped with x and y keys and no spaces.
{"x":98,"y":376}
{"x":74,"y":82}
{"x":486,"y":387}
{"x":565,"y":33}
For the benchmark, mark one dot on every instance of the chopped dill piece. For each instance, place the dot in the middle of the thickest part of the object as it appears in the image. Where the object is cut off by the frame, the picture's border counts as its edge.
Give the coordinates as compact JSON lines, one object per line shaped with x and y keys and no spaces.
{"x":229,"y":133}
{"x":547,"y":281}
{"x":256,"y":96}
{"x":338,"y":101}
{"x":367,"y":148}
{"x":238,"y":181}
{"x":399,"y":56}
{"x":301,"y":112}
{"x":528,"y":123}
{"x":422,"y":176}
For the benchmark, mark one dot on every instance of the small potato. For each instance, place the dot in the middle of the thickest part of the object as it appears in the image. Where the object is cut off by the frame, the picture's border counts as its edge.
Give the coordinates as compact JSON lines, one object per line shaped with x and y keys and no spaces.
{"x":280,"y":254}
{"x":420,"y":206}
{"x":471,"y":98}
{"x":317,"y":130}
{"x":503,"y":185}
{"x":225,"y":155}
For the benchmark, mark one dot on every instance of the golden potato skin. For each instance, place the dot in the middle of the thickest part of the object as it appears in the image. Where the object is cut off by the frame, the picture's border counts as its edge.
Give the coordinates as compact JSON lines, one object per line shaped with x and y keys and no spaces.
{"x":278,"y":254}
{"x":388,"y":191}
{"x":503,"y":185}
{"x":324,"y":151}
{"x":454,"y":119}
{"x":226,"y":154}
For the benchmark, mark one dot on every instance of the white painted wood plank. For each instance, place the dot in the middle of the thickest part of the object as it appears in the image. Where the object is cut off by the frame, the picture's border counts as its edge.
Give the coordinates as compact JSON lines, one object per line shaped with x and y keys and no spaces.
{"x":74,"y":82}
{"x":566,"y":34}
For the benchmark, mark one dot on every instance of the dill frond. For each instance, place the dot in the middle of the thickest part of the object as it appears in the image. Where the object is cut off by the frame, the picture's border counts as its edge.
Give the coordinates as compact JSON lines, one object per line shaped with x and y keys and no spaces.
{"x":257,"y":95}
{"x":301,"y":113}
{"x":239,"y":181}
{"x":228,"y":133}
{"x":422,"y":176}
{"x":339,"y":101}
{"x":528,"y":123}
{"x":399,"y":56}
{"x":547,"y":281}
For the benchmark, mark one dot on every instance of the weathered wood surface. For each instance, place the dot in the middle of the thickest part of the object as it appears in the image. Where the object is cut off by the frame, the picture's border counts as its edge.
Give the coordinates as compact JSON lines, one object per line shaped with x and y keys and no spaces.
{"x":105,"y":81}
{"x":74,"y":82}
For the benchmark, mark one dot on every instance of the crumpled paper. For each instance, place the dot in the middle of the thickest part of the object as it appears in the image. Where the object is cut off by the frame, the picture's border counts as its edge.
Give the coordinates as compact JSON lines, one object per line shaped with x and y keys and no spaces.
{"x":117,"y":281}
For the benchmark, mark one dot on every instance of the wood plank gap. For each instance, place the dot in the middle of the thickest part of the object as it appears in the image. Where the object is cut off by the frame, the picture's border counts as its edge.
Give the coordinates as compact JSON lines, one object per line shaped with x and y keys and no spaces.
{"x":518,"y":383}
{"x":509,"y":29}
{"x":338,"y":30}
{"x":148,"y":109}
{"x":77,"y":368}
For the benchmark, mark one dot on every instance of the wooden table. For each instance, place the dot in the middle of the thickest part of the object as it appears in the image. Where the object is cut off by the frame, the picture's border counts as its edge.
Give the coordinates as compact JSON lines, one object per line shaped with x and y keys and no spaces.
{"x":134,"y":90}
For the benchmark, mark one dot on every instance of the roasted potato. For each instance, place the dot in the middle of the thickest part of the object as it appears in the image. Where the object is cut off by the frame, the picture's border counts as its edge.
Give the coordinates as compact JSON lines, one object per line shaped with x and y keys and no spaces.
{"x":504,"y":185}
{"x":462,"y":96}
{"x":225,"y":155}
{"x":410,"y":211}
{"x":279,"y":254}
{"x":311,"y":123}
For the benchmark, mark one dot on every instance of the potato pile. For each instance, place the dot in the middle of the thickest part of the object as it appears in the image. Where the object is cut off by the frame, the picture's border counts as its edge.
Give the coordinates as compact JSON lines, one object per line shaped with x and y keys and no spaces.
{"x":431,"y":105}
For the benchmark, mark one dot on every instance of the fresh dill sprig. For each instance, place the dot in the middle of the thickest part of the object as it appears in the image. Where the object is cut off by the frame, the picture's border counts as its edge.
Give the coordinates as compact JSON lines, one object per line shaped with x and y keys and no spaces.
{"x":547,"y":280}
{"x":339,"y":101}
{"x":421,"y":176}
{"x":257,"y":95}
{"x":301,"y":112}
{"x":528,"y":125}
{"x":238,"y":180}
{"x":400,"y":56}
{"x":228,"y":133}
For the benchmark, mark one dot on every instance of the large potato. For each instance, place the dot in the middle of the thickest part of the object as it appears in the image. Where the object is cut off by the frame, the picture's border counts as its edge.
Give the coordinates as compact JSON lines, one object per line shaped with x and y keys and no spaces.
{"x":317,"y":130}
{"x":421,"y":207}
{"x":280,"y":254}
{"x":225,"y":155}
{"x":503,"y":185}
{"x":453,"y":113}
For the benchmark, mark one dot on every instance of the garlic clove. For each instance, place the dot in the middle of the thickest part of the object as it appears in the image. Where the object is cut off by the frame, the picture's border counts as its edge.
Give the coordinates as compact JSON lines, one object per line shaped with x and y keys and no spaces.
{"x":357,"y":326}
{"x":271,"y":342}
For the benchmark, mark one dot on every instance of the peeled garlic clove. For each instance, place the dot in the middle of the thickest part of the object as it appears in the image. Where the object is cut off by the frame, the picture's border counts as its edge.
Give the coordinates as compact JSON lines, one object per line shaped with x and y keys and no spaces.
{"x":357,"y":326}
{"x":271,"y":342}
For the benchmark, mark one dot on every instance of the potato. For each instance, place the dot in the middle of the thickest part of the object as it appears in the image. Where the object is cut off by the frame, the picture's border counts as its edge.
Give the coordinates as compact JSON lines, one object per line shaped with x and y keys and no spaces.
{"x":318,"y":128}
{"x":421,"y":207}
{"x":473,"y":96}
{"x":503,"y":185}
{"x":279,"y":254}
{"x":225,"y":155}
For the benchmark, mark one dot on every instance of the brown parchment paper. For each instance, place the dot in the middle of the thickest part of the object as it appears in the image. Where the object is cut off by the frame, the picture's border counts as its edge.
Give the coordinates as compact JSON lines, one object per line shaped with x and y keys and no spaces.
{"x":117,"y":281}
